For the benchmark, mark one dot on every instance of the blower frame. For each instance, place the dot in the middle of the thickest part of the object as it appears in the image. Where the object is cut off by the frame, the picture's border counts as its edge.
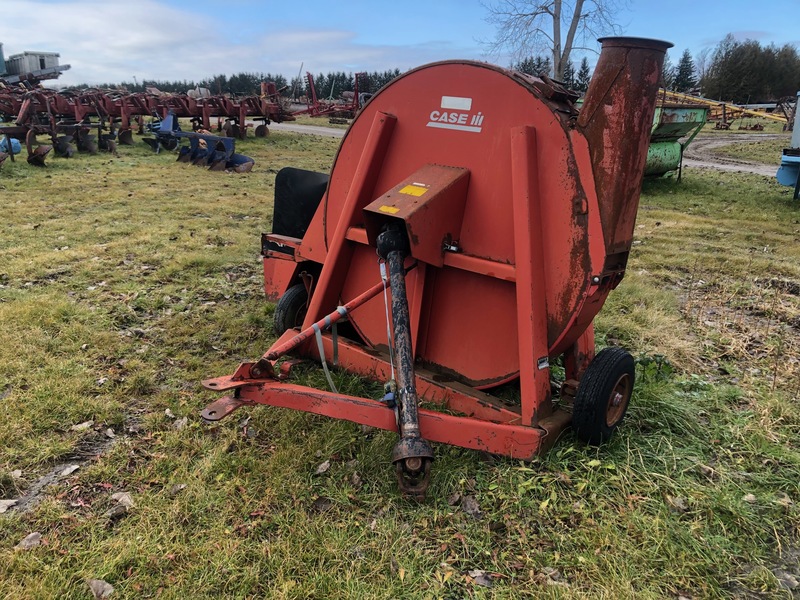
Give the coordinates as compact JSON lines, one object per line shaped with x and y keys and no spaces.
{"x":500,"y":225}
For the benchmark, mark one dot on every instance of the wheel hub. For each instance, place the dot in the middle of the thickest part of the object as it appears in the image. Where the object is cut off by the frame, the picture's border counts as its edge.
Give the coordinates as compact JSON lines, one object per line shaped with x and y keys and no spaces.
{"x":618,"y":400}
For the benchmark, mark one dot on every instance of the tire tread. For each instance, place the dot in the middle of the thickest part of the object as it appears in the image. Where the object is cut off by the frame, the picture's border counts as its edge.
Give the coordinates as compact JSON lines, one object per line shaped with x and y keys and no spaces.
{"x":287,"y":307}
{"x":589,"y":408}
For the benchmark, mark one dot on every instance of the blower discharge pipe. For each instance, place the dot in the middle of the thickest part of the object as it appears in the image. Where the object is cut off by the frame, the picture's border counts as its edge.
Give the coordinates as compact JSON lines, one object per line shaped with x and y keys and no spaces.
{"x":616,"y":119}
{"x":412,"y":454}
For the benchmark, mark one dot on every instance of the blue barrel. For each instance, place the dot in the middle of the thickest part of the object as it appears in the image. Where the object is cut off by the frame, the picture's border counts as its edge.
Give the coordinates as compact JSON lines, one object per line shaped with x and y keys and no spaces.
{"x":16,"y":147}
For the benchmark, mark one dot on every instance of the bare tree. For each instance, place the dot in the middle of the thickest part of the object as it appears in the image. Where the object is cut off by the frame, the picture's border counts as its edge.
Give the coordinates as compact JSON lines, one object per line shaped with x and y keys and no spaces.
{"x":702,"y":61}
{"x":526,"y":27}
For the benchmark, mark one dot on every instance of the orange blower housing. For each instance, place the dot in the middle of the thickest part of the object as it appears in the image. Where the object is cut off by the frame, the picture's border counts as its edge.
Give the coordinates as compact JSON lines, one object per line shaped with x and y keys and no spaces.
{"x":518,"y":213}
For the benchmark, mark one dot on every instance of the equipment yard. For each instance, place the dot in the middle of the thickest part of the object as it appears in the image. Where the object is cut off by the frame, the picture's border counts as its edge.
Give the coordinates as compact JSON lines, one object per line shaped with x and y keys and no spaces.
{"x":125,"y":281}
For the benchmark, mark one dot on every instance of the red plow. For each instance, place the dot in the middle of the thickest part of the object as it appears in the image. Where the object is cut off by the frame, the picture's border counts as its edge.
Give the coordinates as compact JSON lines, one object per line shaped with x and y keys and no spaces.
{"x":99,"y":119}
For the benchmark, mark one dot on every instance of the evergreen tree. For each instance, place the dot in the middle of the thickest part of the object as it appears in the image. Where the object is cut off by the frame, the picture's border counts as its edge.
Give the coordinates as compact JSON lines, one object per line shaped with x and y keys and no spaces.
{"x":685,"y":79}
{"x":246,"y":84}
{"x":569,"y":76}
{"x":534,"y":65}
{"x":744,"y":72}
{"x":583,"y":77}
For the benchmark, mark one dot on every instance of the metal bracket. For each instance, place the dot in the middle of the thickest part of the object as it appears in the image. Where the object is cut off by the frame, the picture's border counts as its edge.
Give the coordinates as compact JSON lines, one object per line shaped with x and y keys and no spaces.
{"x":219,"y":409}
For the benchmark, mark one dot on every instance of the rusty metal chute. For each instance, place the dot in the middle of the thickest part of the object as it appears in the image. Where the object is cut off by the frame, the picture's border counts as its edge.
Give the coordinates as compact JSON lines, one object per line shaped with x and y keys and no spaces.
{"x":498,"y":219}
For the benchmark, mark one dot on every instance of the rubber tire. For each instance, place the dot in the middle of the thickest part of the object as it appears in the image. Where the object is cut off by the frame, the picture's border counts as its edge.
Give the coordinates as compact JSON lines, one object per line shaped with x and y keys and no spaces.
{"x":600,"y":380}
{"x":291,"y":309}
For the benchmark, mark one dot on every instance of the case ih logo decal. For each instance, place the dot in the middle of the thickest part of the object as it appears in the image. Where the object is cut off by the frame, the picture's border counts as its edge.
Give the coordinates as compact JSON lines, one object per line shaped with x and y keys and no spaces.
{"x":455,"y":114}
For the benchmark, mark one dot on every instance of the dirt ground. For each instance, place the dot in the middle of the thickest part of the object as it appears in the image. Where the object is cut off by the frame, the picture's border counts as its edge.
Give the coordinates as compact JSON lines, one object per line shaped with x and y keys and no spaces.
{"x":308,"y":129}
{"x":701,"y":153}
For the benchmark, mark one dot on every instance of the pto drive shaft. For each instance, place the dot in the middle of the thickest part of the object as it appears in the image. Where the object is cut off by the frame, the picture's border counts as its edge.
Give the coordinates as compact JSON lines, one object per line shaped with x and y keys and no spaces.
{"x":412,"y":455}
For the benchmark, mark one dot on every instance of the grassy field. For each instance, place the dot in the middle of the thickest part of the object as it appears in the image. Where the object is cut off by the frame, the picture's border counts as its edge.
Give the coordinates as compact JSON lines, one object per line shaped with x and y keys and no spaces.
{"x":125,"y":281}
{"x":318,"y":121}
{"x":766,"y":151}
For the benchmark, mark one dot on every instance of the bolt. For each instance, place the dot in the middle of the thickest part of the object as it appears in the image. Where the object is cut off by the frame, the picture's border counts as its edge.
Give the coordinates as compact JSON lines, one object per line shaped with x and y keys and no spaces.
{"x":413,"y":464}
{"x":595,"y":279}
{"x":617,"y":399}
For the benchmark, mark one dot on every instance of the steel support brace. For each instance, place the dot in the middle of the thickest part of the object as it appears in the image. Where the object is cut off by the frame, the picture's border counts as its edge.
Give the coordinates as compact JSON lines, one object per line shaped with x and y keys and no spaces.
{"x":451,"y":395}
{"x":516,"y":441}
{"x":363,"y":361}
{"x":337,"y":262}
{"x":534,"y":365}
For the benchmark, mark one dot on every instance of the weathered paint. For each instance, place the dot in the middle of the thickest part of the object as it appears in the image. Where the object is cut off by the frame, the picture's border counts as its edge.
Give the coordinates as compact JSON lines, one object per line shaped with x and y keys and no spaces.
{"x":662,"y":157}
{"x":616,"y":116}
{"x":548,"y":215}
{"x":674,"y":128}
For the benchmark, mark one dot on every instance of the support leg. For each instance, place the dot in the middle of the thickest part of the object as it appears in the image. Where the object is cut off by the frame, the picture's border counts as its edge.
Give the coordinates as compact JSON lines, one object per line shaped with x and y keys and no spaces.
{"x":797,"y":186}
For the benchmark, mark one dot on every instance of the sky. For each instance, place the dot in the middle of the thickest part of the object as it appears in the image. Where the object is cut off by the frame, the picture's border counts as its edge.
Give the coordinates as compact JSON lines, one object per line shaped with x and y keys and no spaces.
{"x":111,"y":40}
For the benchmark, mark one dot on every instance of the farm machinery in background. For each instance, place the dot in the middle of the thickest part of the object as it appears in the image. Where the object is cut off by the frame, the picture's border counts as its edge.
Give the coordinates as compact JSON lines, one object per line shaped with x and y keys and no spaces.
{"x":723,"y":114}
{"x":204,"y":149}
{"x":789,"y":171}
{"x":30,"y":68}
{"x":675,"y":125}
{"x":344,"y":109}
{"x":88,"y":120}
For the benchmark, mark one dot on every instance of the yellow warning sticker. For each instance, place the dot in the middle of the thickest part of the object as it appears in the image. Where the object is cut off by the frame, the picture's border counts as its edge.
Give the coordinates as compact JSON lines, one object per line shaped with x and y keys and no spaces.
{"x":389,"y":209}
{"x":413,"y":190}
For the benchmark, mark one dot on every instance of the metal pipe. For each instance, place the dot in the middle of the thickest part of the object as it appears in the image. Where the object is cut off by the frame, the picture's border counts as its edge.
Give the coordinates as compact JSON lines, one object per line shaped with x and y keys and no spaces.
{"x":412,"y":454}
{"x":324,"y":322}
{"x":616,"y":118}
{"x":404,"y":353}
{"x":796,"y":130}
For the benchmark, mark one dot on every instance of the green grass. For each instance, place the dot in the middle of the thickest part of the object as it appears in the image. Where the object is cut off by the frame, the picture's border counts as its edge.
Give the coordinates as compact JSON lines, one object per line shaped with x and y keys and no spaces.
{"x":126,"y":281}
{"x":766,"y":151}
{"x":319,"y":121}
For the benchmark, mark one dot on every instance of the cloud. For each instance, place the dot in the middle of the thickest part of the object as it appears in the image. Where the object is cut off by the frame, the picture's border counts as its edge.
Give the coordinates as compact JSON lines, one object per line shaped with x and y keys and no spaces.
{"x":107,"y":42}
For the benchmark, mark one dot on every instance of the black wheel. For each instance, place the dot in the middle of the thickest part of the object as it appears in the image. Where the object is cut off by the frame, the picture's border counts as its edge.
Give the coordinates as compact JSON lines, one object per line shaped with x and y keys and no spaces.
{"x":604,"y":393}
{"x":233,"y":131}
{"x":291,"y":309}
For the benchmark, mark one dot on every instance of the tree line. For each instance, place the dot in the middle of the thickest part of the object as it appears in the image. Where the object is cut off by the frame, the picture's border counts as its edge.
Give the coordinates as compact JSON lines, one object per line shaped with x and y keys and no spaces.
{"x":747,"y":72}
{"x":541,"y":65}
{"x":246,"y":84}
{"x":735,"y":71}
{"x":739,"y":72}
